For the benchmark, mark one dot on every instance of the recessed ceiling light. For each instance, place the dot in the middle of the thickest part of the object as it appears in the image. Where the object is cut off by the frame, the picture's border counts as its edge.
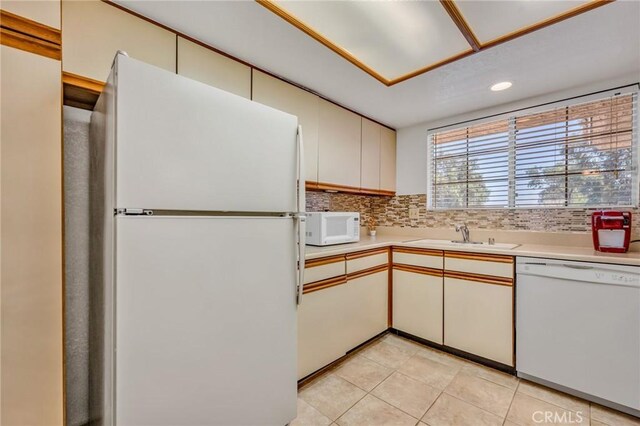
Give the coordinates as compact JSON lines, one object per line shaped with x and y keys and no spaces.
{"x":503,"y":85}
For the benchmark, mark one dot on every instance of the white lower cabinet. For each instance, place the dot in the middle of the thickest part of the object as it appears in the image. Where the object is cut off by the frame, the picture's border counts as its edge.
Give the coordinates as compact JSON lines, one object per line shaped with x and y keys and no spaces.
{"x":417,"y":304}
{"x":322,"y":316}
{"x":367,"y":298}
{"x":478,"y":318}
{"x":336,"y":319}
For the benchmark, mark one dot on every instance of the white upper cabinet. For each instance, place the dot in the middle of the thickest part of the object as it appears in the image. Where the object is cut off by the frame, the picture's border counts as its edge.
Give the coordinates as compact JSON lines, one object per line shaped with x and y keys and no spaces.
{"x":288,"y":98}
{"x":42,"y":11}
{"x":93,"y":31}
{"x":339,"y":146}
{"x":214,"y":69}
{"x":387,"y":159}
{"x":370,"y":164}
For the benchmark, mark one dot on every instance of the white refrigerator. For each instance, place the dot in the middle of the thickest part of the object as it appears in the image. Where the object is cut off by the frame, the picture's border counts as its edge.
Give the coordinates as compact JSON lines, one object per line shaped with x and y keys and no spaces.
{"x":197,"y":253}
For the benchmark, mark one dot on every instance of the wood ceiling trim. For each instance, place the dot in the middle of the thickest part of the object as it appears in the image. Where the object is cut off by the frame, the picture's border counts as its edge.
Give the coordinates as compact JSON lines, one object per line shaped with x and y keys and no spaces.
{"x":271,"y":6}
{"x":593,"y":4}
{"x":461,"y":23}
{"x":458,"y":19}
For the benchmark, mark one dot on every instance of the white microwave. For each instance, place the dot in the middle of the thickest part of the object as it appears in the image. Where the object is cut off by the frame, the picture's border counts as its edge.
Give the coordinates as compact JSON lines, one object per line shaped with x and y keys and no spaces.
{"x":327,"y":228}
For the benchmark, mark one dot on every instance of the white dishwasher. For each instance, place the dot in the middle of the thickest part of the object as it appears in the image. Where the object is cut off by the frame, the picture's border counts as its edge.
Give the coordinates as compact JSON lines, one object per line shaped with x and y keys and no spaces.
{"x":578,"y":328}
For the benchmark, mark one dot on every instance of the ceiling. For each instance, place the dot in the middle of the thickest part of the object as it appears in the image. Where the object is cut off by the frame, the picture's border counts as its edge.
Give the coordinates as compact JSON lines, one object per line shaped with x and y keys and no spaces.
{"x":599,"y":45}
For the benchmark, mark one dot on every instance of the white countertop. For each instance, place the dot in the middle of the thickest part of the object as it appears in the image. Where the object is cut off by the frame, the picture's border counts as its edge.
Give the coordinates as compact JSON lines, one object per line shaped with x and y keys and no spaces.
{"x":585,"y":254}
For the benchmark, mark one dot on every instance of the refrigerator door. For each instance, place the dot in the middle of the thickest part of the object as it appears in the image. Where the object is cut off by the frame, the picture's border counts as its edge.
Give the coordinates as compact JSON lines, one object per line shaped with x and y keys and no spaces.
{"x":184,"y":145}
{"x":205,"y":321}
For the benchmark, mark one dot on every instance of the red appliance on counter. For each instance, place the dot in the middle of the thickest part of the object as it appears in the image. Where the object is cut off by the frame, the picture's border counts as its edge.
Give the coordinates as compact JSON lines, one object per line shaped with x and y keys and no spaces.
{"x":611,"y":231}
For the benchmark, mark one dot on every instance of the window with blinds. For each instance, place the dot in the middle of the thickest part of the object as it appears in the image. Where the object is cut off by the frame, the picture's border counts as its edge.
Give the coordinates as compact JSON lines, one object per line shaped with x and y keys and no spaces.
{"x":581,"y":155}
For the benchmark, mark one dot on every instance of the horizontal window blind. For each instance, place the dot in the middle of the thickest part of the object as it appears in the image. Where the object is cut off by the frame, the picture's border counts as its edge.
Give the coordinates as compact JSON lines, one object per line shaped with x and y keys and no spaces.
{"x":581,"y":155}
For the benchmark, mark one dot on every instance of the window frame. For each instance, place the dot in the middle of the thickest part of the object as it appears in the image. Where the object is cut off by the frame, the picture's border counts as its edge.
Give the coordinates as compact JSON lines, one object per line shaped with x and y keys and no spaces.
{"x":511,"y":118}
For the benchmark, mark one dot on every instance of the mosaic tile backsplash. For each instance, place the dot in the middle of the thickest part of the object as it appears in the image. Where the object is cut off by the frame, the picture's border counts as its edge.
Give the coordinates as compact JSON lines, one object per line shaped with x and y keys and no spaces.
{"x":394,"y":211}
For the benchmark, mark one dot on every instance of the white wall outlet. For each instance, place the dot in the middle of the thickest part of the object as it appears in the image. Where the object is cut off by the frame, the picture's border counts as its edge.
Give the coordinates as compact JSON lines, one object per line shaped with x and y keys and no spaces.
{"x":413,"y":213}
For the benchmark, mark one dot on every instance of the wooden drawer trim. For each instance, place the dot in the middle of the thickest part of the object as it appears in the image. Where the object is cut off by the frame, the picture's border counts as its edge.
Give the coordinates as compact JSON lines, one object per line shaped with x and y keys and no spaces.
{"x":479,"y":278}
{"x":365,"y":272}
{"x":501,"y":258}
{"x":418,"y":269}
{"x":321,"y":285}
{"x":412,"y":250}
{"x":365,"y":253}
{"x":324,"y":261}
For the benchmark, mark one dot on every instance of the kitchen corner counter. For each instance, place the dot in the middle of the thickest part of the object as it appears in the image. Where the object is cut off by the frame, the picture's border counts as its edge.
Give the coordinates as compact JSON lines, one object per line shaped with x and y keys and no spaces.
{"x":583,"y":254}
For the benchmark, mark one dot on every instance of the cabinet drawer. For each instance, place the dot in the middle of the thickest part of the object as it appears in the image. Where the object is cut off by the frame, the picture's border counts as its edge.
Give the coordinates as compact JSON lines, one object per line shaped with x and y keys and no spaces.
{"x":493,"y":265}
{"x":321,"y":269}
{"x":425,"y":258}
{"x":360,"y":261}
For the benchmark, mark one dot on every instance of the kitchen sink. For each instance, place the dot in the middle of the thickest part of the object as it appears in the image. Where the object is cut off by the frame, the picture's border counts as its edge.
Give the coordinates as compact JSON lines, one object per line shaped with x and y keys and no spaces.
{"x":461,"y":244}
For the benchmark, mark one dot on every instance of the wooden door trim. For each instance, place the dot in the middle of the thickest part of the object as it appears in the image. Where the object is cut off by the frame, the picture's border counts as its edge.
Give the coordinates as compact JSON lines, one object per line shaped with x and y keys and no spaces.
{"x":30,"y":36}
{"x":368,"y":271}
{"x":418,"y":269}
{"x":30,"y":28}
{"x":485,"y":279}
{"x":332,"y":187}
{"x":390,"y":288}
{"x":324,"y":284}
{"x":312,"y":263}
{"x":23,"y":42}
{"x":421,"y":251}
{"x":484,"y":257}
{"x":367,"y":253}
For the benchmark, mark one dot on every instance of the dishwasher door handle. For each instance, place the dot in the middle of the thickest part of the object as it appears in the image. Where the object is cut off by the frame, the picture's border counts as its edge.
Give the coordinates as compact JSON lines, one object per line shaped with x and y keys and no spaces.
{"x":576,"y":266}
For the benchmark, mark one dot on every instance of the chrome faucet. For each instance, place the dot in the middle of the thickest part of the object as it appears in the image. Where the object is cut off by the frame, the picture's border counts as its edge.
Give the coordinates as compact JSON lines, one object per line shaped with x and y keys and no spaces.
{"x":465,"y":232}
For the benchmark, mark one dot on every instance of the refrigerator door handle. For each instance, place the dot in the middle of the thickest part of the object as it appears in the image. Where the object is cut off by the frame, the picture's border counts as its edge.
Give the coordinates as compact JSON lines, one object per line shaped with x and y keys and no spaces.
{"x":301,"y":224}
{"x":301,"y":173}
{"x":300,"y":217}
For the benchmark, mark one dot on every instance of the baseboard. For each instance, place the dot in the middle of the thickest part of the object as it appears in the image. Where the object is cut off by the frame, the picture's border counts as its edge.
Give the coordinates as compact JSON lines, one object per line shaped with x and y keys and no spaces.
{"x":462,"y":354}
{"x":350,"y":353}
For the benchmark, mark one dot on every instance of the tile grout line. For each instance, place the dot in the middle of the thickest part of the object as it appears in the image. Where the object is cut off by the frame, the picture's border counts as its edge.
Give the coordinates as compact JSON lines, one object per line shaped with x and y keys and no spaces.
{"x":511,"y":403}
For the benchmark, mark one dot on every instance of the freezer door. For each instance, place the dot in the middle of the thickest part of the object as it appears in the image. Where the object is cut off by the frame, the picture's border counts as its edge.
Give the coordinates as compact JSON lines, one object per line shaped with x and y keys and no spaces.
{"x":205,"y":321}
{"x":184,"y":145}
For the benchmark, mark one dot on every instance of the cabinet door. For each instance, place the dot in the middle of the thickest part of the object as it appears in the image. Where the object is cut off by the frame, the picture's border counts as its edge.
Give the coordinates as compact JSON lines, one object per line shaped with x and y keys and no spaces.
{"x":322,"y":315}
{"x":370,"y":165}
{"x":94,"y":31}
{"x":387,"y":159}
{"x":288,"y":98}
{"x":338,"y":146}
{"x":45,"y":12}
{"x":417,"y":304}
{"x":31,"y":238}
{"x":367,"y":299}
{"x":214,"y":69}
{"x":478,"y":318}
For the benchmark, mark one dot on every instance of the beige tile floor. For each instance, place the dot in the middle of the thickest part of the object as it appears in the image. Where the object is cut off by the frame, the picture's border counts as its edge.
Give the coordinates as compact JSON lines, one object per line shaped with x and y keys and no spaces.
{"x":395,"y":381}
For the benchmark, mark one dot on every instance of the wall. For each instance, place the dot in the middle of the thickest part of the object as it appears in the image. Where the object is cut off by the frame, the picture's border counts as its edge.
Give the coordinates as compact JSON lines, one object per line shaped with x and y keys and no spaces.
{"x":76,"y":244}
{"x":412,"y":141}
{"x":412,"y":181}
